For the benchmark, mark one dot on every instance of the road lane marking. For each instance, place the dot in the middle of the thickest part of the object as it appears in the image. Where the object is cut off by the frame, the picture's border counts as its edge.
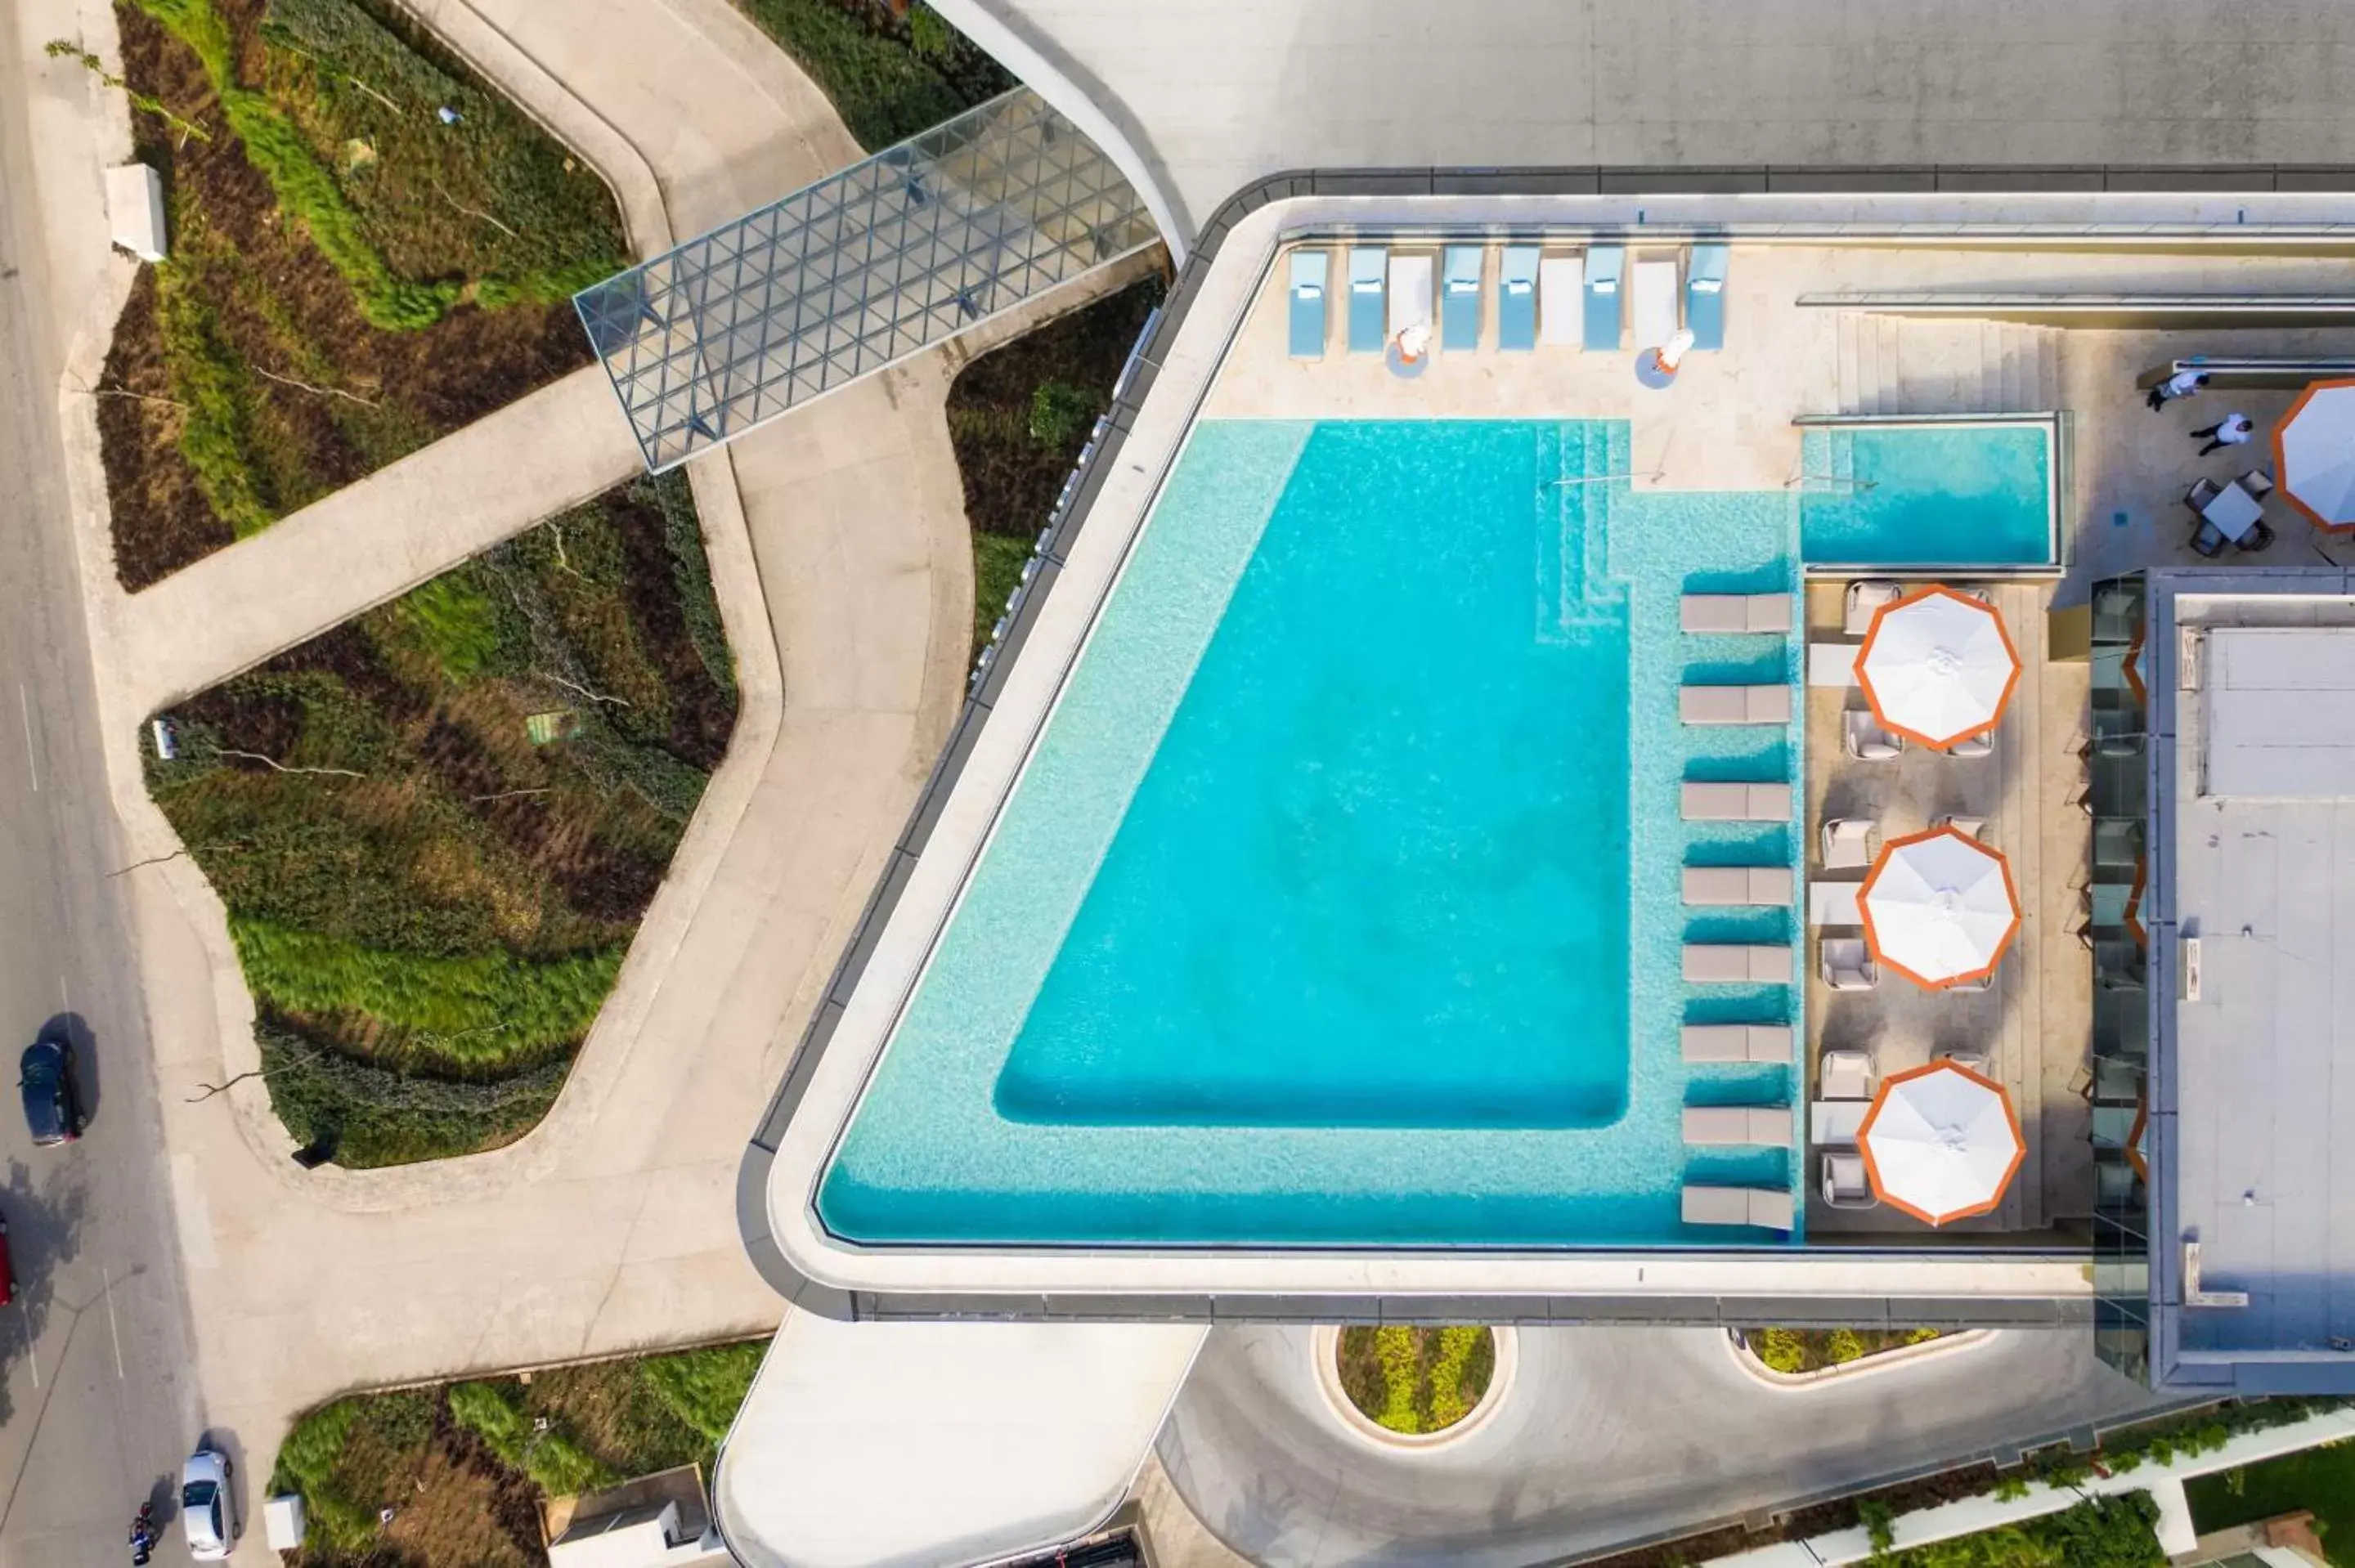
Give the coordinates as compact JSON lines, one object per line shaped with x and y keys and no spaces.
{"x":113,"y":1329}
{"x":25,"y":706}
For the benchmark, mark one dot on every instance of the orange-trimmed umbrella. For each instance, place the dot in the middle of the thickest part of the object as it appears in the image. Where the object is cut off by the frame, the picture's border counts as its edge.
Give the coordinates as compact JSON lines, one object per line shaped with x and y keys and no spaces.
{"x":2313,"y":454}
{"x":1941,"y":1142}
{"x":1937,"y":666}
{"x":1939,"y":907}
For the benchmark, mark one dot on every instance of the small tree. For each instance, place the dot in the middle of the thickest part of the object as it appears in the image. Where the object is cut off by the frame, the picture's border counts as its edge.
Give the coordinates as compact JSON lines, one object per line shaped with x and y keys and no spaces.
{"x":928,"y":33}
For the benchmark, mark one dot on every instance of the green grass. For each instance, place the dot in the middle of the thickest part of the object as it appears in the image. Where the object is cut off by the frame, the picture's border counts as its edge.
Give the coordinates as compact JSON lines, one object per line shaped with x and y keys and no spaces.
{"x":430,"y":906}
{"x":883,"y":86}
{"x":997,"y":561}
{"x":2118,"y":1532}
{"x":605,"y":1421}
{"x":2319,"y":1479}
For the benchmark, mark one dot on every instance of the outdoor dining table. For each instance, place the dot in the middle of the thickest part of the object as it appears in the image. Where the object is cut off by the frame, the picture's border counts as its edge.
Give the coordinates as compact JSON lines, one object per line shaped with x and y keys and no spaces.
{"x":2234,"y":511}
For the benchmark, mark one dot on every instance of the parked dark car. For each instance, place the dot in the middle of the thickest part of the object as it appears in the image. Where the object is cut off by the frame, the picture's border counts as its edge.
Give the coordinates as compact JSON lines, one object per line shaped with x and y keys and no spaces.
{"x":52,"y":1104}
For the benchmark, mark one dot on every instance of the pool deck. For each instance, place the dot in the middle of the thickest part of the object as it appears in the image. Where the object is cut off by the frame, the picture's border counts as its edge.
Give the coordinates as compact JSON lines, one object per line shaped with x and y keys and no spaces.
{"x":1723,"y":425}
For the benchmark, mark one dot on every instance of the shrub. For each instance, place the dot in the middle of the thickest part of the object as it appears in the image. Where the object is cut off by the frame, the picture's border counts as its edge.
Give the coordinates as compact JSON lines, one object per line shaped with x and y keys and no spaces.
{"x":2011,"y":1489}
{"x":928,"y":33}
{"x":1395,"y":1348}
{"x":371,"y":1115}
{"x":705,"y":1388}
{"x":215,"y":417}
{"x":556,"y":1464}
{"x":1060,"y":413}
{"x":1880,"y":1523}
{"x":483,"y":1009}
{"x":456,"y":621}
{"x":1780,"y":1348}
{"x":1843,"y":1347}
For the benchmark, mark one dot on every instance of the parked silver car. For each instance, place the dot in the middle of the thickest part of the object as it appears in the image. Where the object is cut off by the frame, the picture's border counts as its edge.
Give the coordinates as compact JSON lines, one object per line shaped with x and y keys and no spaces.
{"x":206,"y":1506}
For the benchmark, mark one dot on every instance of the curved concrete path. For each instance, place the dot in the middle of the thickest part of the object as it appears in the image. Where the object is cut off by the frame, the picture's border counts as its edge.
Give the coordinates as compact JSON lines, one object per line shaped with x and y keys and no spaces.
{"x":840,"y":551}
{"x":1607,"y":1435}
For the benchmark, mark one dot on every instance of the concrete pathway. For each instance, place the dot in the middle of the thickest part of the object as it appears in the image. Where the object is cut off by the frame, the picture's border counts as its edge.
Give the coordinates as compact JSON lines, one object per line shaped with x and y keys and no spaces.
{"x":1606,"y":1436}
{"x":612,"y":1227}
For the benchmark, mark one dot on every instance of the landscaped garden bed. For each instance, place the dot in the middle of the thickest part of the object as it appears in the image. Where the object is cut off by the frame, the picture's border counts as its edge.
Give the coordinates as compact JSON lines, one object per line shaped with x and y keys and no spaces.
{"x":1796,"y":1350}
{"x":1416,"y":1380}
{"x":891,"y":70}
{"x":464,"y":1467}
{"x":1018,"y":417}
{"x":368,"y":249}
{"x":436,"y":827}
{"x":2319,"y":1480}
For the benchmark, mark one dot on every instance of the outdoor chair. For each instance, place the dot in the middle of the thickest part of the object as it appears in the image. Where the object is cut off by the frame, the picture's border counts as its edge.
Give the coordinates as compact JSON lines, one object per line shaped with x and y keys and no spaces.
{"x":1757,"y":1127}
{"x":1847,"y":1184}
{"x":1863,"y":737}
{"x":1863,"y":598}
{"x":1847,"y":964}
{"x":2258,"y":481}
{"x":1604,"y":310}
{"x":2201,"y":493}
{"x":1705,"y":295}
{"x":2207,"y":540}
{"x":1844,"y":1074}
{"x":1735,"y":614}
{"x":2256,"y":539}
{"x":1368,"y":265}
{"x":1737,"y":1042}
{"x":1734,"y":705}
{"x":1459,"y":297}
{"x":1969,"y":827}
{"x":1517,"y":298}
{"x":1307,"y":316}
{"x":1769,"y":1208}
{"x":1972,"y":747}
{"x":1978,"y":1062}
{"x":1848,"y":843}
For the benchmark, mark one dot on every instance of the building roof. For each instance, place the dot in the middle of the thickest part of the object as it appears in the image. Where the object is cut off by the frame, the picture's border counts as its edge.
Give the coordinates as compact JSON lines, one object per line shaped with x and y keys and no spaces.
{"x":922,"y":1444}
{"x":1212,"y":96}
{"x":2254,"y":974}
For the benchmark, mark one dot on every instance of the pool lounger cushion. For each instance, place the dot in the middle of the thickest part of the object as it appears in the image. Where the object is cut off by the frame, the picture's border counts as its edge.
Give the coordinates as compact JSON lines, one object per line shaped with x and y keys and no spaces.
{"x":1759,"y":1126}
{"x":1309,"y":269}
{"x":1766,"y":1207}
{"x":1517,"y":298}
{"x":1735,"y":614}
{"x":1367,"y":264}
{"x":1734,"y":705}
{"x":1737,"y":963}
{"x":1459,"y":297}
{"x":1737,"y":1042}
{"x":1763,"y":885}
{"x":1714,"y":802}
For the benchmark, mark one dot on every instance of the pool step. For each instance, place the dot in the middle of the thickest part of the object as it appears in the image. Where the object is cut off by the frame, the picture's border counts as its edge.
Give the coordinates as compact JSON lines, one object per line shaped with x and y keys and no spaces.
{"x":1574,"y":590}
{"x":1897,"y":364}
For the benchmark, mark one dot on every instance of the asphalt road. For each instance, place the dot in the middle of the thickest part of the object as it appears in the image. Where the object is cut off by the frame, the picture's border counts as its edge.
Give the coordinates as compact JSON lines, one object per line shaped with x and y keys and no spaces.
{"x":99,"y":1403}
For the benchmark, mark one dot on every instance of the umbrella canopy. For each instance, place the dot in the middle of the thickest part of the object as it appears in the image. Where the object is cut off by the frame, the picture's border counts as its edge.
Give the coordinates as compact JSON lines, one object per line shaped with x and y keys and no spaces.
{"x":1939,"y":907}
{"x":1937,"y":666}
{"x":2313,"y":454}
{"x":1941,"y":1142}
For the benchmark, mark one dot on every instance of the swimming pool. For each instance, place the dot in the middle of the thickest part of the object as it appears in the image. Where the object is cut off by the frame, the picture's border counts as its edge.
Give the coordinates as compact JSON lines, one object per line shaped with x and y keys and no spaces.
{"x":1335,"y":905}
{"x":1926,"y":495}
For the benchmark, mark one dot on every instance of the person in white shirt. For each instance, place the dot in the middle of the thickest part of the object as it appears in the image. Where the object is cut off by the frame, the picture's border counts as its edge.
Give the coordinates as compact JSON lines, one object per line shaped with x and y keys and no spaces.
{"x":2182,"y":383}
{"x":2231,"y":430}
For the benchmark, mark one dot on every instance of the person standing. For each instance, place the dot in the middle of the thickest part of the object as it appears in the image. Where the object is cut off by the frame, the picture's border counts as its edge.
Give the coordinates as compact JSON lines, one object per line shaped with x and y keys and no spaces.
{"x":2182,"y":383}
{"x":2231,"y":430}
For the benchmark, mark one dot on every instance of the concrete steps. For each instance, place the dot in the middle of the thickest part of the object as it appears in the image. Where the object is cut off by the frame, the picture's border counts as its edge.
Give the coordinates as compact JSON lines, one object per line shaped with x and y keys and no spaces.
{"x":1899,"y":365}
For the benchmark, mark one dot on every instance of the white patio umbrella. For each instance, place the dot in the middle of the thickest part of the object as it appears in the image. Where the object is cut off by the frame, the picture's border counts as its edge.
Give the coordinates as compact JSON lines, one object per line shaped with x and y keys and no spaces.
{"x":1937,"y":666}
{"x":2313,"y":454}
{"x":1941,"y":1142}
{"x":1939,"y":907}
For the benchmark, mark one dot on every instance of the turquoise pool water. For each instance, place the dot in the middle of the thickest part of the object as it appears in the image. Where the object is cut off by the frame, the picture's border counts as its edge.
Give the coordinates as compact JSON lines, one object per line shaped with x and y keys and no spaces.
{"x":1928,"y":495}
{"x":1336,"y":905}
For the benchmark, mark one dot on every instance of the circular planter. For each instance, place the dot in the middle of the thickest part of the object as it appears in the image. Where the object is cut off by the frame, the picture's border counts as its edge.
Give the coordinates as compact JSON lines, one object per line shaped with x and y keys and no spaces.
{"x":1324,"y":1351}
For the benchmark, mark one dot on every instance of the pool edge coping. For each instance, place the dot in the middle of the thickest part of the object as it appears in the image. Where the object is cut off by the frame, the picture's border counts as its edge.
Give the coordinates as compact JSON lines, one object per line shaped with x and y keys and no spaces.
{"x":808,"y":1269}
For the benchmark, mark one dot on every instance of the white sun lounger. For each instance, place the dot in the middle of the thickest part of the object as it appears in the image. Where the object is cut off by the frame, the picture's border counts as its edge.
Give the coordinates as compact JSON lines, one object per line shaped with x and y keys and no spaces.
{"x":1734,"y":705}
{"x":1845,"y":1075}
{"x":1762,"y":1126}
{"x":1764,"y":885}
{"x":1768,"y":1208}
{"x":1410,"y":292}
{"x":1735,"y":614}
{"x":1849,"y":842}
{"x":1561,"y":320}
{"x":1652,"y":297}
{"x":1737,"y":1042}
{"x":1737,"y":963}
{"x":1712,"y":802}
